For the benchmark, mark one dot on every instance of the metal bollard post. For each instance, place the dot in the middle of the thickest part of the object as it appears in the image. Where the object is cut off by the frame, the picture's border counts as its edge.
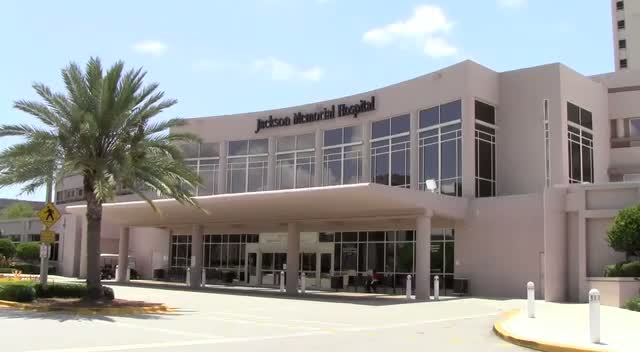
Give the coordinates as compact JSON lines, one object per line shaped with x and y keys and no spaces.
{"x":128,"y":277}
{"x":531,"y":299}
{"x":436,"y":288}
{"x":594,"y":315}
{"x":303,"y":283}
{"x":282,"y":281}
{"x":117,"y":273}
{"x":188,"y":276}
{"x":408,"y":287}
{"x":203,"y":278}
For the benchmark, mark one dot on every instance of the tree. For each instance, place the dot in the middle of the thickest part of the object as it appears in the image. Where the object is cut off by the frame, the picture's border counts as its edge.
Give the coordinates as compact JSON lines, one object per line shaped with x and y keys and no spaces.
{"x":102,"y":127}
{"x":17,"y":210}
{"x":28,"y":251}
{"x":7,"y":248}
{"x":624,"y":233}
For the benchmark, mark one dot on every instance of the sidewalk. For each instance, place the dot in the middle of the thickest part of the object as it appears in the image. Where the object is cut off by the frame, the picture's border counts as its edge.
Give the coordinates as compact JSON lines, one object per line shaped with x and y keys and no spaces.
{"x":565,"y":327}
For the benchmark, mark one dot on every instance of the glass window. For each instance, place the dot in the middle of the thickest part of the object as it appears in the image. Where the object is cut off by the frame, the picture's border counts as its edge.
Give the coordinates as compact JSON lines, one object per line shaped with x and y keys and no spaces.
{"x":634,"y":127}
{"x":247,"y":173}
{"x":380,"y":129}
{"x":390,"y":155}
{"x":485,"y":113}
{"x":209,"y":150}
{"x":430,"y":117}
{"x":190,"y":150}
{"x":451,"y":111}
{"x":580,"y":139}
{"x":404,"y":257}
{"x":342,"y":160}
{"x":295,"y":162}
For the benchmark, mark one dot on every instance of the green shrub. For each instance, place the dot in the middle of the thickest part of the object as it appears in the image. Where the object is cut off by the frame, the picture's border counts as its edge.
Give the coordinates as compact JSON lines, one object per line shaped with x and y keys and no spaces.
{"x":624,"y":233}
{"x":7,"y":248}
{"x":633,"y":304}
{"x":28,"y":251}
{"x":108,"y":293}
{"x":62,"y":290}
{"x":17,"y":293}
{"x":631,"y":269}
{"x":613,"y":270}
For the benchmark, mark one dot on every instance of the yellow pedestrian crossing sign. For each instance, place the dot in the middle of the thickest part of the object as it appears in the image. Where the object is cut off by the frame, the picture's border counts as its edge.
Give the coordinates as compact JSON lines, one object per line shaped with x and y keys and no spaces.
{"x":49,"y":215}
{"x":47,"y":236}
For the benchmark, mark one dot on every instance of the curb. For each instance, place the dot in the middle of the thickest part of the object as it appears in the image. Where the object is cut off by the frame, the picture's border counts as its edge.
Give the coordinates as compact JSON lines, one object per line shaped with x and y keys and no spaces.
{"x":160,"y":308}
{"x":539,"y":345}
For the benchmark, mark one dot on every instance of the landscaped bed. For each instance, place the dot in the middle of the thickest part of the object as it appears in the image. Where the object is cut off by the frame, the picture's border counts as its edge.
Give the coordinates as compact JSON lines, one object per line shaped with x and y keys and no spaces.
{"x":67,"y":297}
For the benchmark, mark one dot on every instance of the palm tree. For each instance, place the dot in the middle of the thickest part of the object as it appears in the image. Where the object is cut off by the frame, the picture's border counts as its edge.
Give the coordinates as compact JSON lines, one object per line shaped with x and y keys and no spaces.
{"x":101,"y":128}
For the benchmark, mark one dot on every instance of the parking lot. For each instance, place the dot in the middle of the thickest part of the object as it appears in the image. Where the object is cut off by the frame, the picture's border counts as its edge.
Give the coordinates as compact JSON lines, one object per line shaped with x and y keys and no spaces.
{"x":241,"y":321}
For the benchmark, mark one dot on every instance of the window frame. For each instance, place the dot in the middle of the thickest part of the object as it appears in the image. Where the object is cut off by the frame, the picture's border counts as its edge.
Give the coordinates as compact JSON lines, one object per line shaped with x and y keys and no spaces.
{"x":389,"y":150}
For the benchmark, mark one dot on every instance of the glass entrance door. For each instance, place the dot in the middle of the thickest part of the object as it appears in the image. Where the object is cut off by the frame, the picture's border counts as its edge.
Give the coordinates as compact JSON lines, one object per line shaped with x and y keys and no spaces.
{"x":272,"y":265}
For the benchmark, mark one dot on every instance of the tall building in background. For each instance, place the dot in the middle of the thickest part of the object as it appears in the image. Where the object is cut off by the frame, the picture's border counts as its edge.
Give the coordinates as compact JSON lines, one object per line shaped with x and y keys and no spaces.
{"x":626,"y":33}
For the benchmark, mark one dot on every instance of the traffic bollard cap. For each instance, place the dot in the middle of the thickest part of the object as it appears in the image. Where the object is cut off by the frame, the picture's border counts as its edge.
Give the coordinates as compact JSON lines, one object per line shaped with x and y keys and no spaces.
{"x":530,"y":285}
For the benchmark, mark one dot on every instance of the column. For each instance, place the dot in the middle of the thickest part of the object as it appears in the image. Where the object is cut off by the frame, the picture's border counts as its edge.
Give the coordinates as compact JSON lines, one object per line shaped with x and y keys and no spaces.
{"x":258,"y":268}
{"x":123,"y":254}
{"x":293,"y":258}
{"x":423,"y":257}
{"x":197,"y":234}
{"x":317,"y":177}
{"x":469,"y":147}
{"x":414,"y":155}
{"x":271,"y":164}
{"x":620,"y":128}
{"x":222,"y":169}
{"x":366,"y":152}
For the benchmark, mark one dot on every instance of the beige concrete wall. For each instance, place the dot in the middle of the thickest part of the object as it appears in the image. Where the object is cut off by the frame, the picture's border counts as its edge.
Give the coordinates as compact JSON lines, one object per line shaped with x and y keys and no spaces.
{"x":520,"y":137}
{"x":498,"y":245}
{"x":143,"y":243}
{"x":615,"y":291}
{"x":573,"y":257}
{"x":555,"y":245}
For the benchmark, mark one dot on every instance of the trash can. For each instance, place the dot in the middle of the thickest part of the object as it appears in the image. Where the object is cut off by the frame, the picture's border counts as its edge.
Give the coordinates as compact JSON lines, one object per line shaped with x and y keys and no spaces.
{"x":158,"y":274}
{"x":460,"y":286}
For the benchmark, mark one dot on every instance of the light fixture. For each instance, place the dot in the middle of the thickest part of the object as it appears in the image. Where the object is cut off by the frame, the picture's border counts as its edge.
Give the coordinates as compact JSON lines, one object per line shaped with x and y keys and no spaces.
{"x":431,"y":185}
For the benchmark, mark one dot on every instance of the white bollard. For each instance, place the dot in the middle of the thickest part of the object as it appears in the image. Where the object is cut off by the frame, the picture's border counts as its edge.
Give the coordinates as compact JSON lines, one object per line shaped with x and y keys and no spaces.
{"x":408,"y":287}
{"x":436,"y":288}
{"x":282,"y":281}
{"x":303,"y":283}
{"x":594,"y":315}
{"x":531,"y":299}
{"x":203,"y":278}
{"x":128,"y":274}
{"x":188,"y":276}
{"x":117,"y":273}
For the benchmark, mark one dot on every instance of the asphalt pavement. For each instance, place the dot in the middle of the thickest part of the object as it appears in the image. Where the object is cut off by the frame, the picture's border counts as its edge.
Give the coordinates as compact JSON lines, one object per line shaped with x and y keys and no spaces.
{"x":240,"y":321}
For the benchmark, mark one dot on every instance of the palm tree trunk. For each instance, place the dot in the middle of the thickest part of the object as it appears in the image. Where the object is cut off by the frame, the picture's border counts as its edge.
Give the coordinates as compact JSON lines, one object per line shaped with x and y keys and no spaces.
{"x":94,"y":221}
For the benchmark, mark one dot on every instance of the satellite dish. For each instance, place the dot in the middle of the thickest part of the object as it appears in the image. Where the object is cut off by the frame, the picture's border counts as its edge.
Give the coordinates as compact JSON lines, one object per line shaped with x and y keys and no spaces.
{"x":431,"y":185}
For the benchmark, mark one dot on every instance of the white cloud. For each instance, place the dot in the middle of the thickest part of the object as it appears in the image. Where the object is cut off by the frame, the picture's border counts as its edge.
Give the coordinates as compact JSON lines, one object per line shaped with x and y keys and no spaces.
{"x":151,"y":47}
{"x":439,"y":47}
{"x":282,"y":71}
{"x":512,"y":3}
{"x":426,"y":29}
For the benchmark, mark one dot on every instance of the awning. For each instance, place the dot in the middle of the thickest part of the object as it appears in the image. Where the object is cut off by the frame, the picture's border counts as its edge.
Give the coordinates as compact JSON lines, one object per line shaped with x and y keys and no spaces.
{"x":313,"y":208}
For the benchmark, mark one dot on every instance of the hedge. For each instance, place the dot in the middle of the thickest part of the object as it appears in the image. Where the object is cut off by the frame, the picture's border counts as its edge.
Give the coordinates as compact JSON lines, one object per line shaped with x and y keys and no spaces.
{"x":633,"y":304}
{"x":7,"y":248}
{"x":624,"y":269}
{"x":27,"y":291}
{"x":26,"y":269}
{"x":28,"y":251}
{"x":17,"y":293}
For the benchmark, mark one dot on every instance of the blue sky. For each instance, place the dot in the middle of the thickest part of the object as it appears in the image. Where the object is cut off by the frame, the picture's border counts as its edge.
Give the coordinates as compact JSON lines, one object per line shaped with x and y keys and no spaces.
{"x":219,"y":57}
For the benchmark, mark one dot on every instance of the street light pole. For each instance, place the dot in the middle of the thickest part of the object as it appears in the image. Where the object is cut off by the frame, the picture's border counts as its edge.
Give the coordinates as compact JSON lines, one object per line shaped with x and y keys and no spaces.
{"x":44,"y":247}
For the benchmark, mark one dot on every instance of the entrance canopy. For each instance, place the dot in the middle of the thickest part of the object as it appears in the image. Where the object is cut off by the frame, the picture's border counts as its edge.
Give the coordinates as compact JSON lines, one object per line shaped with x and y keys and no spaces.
{"x":314,"y":209}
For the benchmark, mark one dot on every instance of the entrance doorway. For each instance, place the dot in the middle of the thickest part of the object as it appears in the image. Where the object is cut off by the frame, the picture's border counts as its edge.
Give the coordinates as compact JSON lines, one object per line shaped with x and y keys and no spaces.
{"x":272,"y":265}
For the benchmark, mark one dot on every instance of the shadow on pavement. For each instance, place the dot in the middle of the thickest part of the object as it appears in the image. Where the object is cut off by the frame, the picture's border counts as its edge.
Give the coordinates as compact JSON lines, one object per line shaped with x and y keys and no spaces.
{"x":10,"y":313}
{"x":318,"y":296}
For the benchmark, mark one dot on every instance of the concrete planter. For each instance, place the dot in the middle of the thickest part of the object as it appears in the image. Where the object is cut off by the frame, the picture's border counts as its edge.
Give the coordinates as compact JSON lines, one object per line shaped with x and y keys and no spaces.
{"x":615,"y":291}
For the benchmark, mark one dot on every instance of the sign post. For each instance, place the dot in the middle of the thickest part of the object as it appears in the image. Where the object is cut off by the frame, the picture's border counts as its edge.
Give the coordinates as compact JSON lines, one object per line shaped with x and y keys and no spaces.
{"x":49,"y":215}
